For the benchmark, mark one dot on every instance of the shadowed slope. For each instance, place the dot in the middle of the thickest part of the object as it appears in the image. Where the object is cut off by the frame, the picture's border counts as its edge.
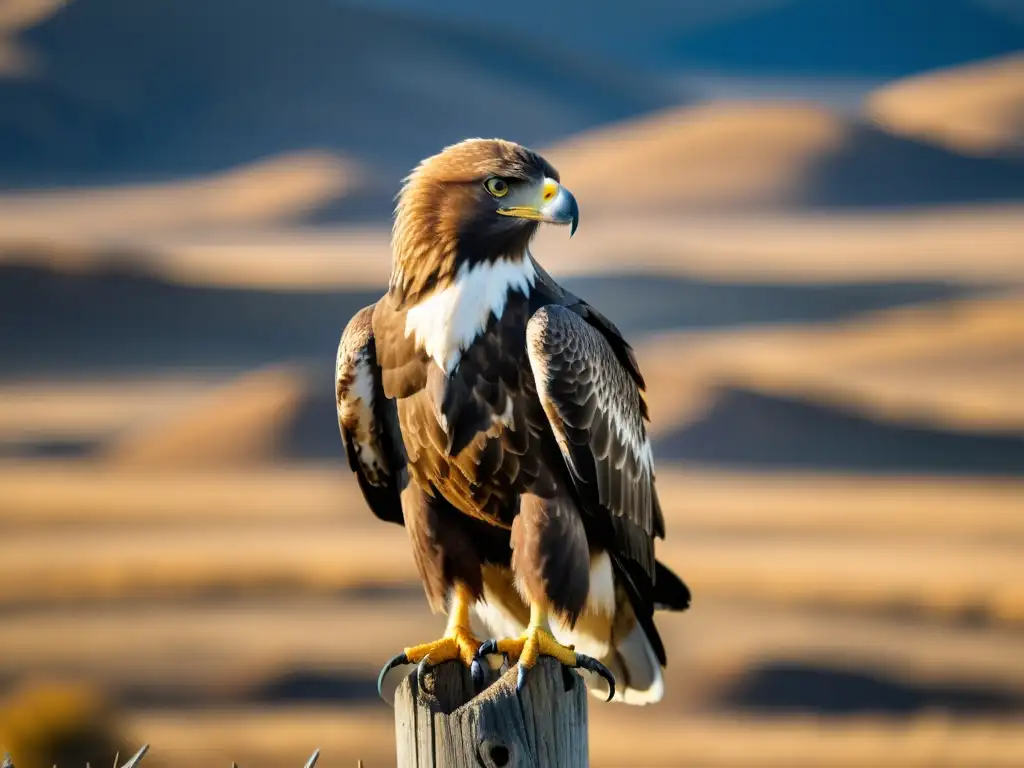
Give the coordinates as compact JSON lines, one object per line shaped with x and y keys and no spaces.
{"x":751,"y":430}
{"x":165,"y":87}
{"x":851,"y":37}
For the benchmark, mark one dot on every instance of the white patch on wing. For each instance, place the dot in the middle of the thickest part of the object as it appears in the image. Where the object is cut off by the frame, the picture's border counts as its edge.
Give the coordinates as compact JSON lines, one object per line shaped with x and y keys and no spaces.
{"x":357,"y":402}
{"x":449,"y":320}
{"x":631,"y":433}
{"x":601,"y":598}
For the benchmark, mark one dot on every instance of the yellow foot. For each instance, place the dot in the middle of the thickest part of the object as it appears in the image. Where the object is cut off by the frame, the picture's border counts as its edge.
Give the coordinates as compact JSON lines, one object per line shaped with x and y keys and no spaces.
{"x":457,"y":644}
{"x":537,"y":642}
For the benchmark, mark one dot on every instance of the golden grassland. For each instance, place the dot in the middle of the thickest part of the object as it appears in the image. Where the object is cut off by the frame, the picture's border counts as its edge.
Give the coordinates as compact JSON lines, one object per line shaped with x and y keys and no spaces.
{"x":347,"y":634}
{"x":212,"y":583}
{"x":721,"y":190}
{"x":955,"y":364}
{"x":275,"y":189}
{"x":183,"y":562}
{"x":52,"y":495}
{"x":709,"y":155}
{"x":970,"y":243}
{"x":263,"y":739}
{"x":976,"y":109}
{"x":975,"y":578}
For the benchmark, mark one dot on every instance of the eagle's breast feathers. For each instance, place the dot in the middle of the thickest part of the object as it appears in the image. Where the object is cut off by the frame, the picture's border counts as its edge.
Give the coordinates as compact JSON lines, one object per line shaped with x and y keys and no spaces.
{"x":502,"y":419}
{"x":448,"y":321}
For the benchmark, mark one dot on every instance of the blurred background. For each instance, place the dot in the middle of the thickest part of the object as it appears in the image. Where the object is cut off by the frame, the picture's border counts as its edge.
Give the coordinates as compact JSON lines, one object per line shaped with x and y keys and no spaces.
{"x":808,"y":216}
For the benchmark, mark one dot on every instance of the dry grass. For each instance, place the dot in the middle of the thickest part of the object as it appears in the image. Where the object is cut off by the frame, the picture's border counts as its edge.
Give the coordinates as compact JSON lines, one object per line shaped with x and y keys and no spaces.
{"x":237,"y":424}
{"x":42,"y":493}
{"x":709,"y":648}
{"x":899,"y":508}
{"x":93,"y":408}
{"x":268,"y":191}
{"x":976,"y":109}
{"x":981,"y":578}
{"x":268,"y":739}
{"x":955,"y":365}
{"x":709,"y":155}
{"x":50,"y":724}
{"x":969,"y":243}
{"x":978,"y":243}
{"x":46,"y":495}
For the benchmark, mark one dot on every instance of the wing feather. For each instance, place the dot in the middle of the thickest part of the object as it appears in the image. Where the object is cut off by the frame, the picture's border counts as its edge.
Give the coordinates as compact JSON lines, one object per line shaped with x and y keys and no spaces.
{"x":368,"y":420}
{"x":591,"y":392}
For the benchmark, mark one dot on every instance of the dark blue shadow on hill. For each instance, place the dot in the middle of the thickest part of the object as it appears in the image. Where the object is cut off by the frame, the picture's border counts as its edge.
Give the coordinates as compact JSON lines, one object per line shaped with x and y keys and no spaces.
{"x":782,"y":687}
{"x":48,"y":448}
{"x":874,"y":169}
{"x":158,"y":89}
{"x":311,"y":686}
{"x":856,"y":38}
{"x":641,"y":303}
{"x":118,"y":319}
{"x":756,"y":431}
{"x":300,"y":686}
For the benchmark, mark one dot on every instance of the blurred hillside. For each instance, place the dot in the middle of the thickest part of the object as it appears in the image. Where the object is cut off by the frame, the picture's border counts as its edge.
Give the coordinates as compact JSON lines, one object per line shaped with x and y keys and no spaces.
{"x":129,"y":90}
{"x":808,"y":217}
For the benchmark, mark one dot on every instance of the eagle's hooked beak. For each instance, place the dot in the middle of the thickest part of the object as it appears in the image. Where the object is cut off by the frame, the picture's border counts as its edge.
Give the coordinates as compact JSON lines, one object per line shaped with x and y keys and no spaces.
{"x":551,"y":203}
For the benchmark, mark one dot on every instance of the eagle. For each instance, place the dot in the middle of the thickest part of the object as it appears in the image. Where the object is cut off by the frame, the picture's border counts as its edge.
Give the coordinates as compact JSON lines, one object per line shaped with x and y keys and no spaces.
{"x":501,"y":419}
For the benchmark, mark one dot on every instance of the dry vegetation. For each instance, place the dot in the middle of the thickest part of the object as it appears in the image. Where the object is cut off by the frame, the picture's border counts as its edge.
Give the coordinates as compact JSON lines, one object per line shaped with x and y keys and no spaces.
{"x":238,"y":600}
{"x":860,"y":573}
{"x":708,"y":156}
{"x":957,"y":364}
{"x":269,"y":191}
{"x":976,"y":109}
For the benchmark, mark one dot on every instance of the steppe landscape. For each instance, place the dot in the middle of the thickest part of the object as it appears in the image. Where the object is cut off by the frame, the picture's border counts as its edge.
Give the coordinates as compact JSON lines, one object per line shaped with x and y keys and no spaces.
{"x":827,"y":301}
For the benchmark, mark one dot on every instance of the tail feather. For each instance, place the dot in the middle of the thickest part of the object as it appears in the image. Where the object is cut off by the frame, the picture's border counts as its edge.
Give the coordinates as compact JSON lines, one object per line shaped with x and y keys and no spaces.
{"x":628,"y":644}
{"x":670,"y":592}
{"x":637,"y":671}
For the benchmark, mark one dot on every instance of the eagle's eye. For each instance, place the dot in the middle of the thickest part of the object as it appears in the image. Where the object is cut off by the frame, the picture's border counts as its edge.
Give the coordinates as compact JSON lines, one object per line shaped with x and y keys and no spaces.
{"x":496,"y":186}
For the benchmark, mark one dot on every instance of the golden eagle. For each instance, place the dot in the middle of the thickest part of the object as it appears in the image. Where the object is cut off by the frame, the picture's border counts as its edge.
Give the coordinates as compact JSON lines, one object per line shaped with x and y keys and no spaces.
{"x":501,"y":419}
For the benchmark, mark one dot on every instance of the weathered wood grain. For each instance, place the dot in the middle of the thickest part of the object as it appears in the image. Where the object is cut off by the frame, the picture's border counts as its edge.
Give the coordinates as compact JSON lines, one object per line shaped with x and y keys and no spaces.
{"x":445,"y":726}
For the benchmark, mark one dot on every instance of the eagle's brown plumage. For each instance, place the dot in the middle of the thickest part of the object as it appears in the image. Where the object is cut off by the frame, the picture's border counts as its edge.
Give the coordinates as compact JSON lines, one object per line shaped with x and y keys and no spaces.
{"x":502,"y":419}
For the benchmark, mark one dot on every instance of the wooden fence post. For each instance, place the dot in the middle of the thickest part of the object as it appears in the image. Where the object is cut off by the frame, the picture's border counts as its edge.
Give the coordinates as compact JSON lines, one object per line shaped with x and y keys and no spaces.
{"x":445,"y":726}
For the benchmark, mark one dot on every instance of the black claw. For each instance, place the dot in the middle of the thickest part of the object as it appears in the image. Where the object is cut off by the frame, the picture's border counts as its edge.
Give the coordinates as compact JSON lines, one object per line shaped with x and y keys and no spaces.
{"x":421,"y":673}
{"x":396,"y":660}
{"x":476,"y":669}
{"x":487,"y":647}
{"x":593,"y":665}
{"x":490,"y":648}
{"x":520,"y":678}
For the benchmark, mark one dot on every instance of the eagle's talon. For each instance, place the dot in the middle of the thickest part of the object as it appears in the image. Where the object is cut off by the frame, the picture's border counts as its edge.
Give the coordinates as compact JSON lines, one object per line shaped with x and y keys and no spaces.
{"x":458,"y":644}
{"x":421,"y":673}
{"x":476,"y":670}
{"x":396,"y":661}
{"x":490,"y":648}
{"x":520,"y":678}
{"x":487,"y":648}
{"x":593,"y":665}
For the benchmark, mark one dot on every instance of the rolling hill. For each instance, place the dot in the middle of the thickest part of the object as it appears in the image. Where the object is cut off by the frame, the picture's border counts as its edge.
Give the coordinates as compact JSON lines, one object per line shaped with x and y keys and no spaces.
{"x":128,"y":90}
{"x":976,"y":109}
{"x":753,"y":154}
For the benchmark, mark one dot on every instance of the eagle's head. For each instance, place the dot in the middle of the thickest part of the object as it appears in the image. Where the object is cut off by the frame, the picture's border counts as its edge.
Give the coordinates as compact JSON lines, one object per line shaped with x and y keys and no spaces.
{"x":478,"y":200}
